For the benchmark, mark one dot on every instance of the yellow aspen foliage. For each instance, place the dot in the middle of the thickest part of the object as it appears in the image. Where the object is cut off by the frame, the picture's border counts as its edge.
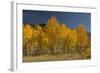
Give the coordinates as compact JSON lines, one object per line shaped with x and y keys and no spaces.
{"x":71,"y":40}
{"x":62,"y":31}
{"x":83,"y":38}
{"x":27,"y":31}
{"x":51,"y":27}
{"x":52,"y":22}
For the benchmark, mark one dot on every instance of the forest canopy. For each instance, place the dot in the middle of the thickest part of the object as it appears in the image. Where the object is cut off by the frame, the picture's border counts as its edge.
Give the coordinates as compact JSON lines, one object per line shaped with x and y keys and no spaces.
{"x":54,"y":37}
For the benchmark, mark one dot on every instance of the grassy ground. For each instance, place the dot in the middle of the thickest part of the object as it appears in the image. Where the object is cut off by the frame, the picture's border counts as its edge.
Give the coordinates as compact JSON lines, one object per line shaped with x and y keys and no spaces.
{"x":57,"y":57}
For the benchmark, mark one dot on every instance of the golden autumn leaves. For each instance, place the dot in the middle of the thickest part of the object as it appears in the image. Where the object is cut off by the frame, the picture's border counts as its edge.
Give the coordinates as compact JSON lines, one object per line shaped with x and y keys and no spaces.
{"x":55,"y":38}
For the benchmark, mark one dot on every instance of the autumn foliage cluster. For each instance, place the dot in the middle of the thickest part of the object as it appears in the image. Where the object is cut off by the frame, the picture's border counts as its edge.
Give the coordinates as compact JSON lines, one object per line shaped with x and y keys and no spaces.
{"x":55,"y":38}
